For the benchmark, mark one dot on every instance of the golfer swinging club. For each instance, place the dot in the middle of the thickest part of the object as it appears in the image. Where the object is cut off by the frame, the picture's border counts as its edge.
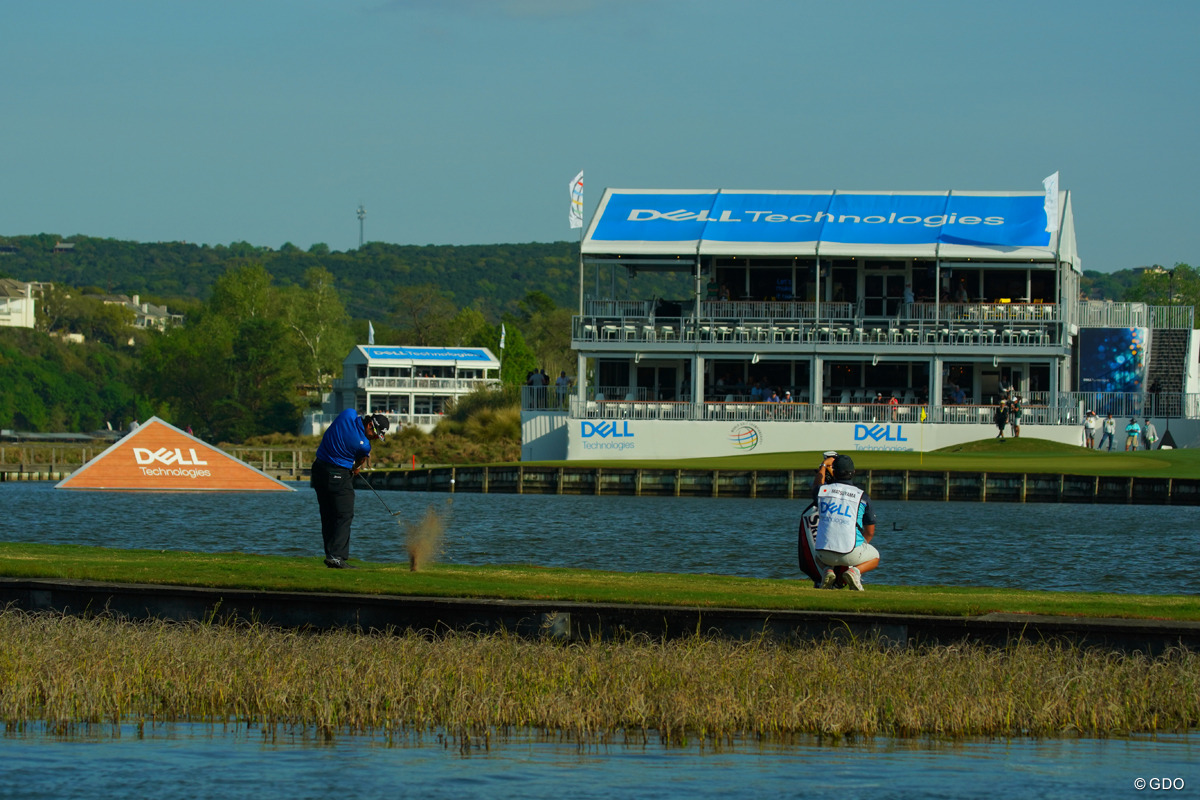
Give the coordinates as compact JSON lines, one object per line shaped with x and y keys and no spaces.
{"x":846,"y":524}
{"x":344,"y":448}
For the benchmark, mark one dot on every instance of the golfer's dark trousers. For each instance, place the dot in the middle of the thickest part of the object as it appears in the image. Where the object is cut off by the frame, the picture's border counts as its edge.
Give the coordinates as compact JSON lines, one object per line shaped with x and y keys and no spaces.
{"x":334,"y":486}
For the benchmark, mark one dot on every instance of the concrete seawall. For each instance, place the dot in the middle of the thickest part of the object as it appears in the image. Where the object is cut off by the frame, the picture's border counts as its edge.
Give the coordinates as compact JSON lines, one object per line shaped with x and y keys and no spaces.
{"x":880,"y":484}
{"x":572,"y":621}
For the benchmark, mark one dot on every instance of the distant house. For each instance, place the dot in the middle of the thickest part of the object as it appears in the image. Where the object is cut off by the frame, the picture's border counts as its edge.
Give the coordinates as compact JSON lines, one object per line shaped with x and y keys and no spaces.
{"x":146,"y":315}
{"x":64,"y":247}
{"x":16,"y":304}
{"x":411,"y":385}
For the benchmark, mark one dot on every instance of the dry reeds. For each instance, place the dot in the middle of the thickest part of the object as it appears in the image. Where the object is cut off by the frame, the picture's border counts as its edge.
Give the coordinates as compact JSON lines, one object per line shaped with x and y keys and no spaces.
{"x":61,"y":671}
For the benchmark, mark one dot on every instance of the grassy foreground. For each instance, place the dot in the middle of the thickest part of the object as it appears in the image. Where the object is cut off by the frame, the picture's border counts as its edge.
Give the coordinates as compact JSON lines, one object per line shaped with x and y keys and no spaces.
{"x":61,"y":672}
{"x":525,"y":582}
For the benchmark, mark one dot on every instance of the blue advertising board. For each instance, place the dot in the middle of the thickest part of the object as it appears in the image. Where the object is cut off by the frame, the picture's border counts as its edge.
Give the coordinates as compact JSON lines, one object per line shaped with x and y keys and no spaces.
{"x":868,"y":219}
{"x":428,"y":354}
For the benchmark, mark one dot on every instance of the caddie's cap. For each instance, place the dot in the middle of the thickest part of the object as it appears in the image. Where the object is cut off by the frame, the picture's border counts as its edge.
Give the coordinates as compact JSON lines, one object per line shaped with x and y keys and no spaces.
{"x":843,"y":466}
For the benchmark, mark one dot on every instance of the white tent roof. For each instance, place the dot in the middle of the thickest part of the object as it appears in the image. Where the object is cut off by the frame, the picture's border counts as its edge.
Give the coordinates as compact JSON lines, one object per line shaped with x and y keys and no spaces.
{"x":954,"y":225}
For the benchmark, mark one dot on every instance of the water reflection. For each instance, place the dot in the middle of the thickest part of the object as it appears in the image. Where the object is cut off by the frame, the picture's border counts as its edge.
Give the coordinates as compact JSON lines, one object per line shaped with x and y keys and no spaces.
{"x":201,"y":761}
{"x":1027,"y":546}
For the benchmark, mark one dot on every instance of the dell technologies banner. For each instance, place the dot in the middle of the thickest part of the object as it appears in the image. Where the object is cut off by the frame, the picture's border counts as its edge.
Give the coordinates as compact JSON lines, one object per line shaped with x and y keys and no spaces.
{"x":993,"y":221}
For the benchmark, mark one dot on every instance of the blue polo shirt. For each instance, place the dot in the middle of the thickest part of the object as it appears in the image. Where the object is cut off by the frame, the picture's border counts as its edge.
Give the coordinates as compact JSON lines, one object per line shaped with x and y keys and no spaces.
{"x":345,"y":442}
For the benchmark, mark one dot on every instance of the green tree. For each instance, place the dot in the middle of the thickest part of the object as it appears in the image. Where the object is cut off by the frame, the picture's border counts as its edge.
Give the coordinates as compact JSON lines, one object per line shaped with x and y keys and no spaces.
{"x":243,"y":293}
{"x":424,"y":315}
{"x":317,"y":319}
{"x":1178,"y":286}
{"x":516,"y":360}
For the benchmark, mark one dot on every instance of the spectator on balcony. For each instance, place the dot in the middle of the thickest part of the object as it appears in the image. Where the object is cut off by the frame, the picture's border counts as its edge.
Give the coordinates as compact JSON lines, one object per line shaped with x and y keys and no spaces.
{"x":562,"y":386}
{"x":960,"y":292}
{"x":958,"y":396}
{"x":1150,"y":434}
{"x":1133,"y":432}
{"x":787,"y":397}
{"x":724,"y":292}
{"x":1090,"y":423}
{"x":895,"y":404}
{"x":537,"y":389}
{"x":711,"y":290}
{"x":1110,"y":428}
{"x":756,"y":393}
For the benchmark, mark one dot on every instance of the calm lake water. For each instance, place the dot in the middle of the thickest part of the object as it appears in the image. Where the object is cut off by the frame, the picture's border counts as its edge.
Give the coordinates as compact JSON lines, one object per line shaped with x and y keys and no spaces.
{"x":1139,"y":549}
{"x":1059,"y":547}
{"x":200,"y":761}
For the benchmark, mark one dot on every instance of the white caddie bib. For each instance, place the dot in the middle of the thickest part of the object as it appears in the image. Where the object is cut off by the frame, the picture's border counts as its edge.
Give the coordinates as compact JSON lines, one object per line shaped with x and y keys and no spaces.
{"x":837,"y":504}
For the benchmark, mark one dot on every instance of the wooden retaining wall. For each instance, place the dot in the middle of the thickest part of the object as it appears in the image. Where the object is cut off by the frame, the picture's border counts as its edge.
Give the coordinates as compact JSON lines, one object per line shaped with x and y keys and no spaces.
{"x":983,"y":487}
{"x":881,"y":484}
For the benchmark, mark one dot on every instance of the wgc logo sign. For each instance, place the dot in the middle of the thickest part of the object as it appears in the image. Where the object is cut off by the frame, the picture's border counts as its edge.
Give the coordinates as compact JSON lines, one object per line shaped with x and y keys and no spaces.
{"x":744,"y":437}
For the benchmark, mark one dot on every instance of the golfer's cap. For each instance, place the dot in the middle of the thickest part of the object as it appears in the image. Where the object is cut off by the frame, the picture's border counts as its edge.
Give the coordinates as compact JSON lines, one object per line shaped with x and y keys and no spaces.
{"x":380,"y":423}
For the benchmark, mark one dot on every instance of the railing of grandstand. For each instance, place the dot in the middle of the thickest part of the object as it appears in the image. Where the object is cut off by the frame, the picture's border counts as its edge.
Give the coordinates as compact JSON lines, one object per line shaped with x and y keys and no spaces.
{"x":429,"y":384}
{"x":786,"y":331}
{"x":1103,"y":314}
{"x":980,"y":312}
{"x":1068,"y":408}
{"x":618,"y":308}
{"x":793,"y":322}
{"x":324,"y":420}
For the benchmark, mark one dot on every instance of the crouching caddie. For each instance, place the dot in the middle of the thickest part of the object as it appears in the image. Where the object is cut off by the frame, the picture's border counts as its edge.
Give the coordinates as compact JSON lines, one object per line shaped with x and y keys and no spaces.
{"x":845,"y":527}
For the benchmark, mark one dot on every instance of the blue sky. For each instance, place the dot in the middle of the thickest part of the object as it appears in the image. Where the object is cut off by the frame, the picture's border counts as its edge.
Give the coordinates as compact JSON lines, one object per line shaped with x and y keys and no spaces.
{"x":462,"y":121}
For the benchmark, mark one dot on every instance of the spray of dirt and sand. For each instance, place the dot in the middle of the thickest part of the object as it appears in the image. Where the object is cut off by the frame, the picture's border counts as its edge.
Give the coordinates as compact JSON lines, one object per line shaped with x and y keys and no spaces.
{"x":425,"y":538}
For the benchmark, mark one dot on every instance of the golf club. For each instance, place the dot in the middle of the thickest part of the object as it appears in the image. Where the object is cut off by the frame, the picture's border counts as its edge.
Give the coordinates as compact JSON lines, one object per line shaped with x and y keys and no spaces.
{"x":372,"y":488}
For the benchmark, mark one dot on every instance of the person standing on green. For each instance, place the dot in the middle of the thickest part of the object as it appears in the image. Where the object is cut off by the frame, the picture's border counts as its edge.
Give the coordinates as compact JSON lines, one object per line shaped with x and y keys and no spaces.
{"x":1150,"y":434}
{"x":1132,"y":432}
{"x":1110,"y":429}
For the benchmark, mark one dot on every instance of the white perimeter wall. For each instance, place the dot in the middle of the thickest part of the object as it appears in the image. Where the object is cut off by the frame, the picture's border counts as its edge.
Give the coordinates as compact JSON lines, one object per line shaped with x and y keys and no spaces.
{"x":554,"y":437}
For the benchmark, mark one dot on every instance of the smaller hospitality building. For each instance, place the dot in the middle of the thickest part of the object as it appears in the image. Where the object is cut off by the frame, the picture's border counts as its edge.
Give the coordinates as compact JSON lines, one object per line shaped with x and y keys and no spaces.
{"x":411,"y":385}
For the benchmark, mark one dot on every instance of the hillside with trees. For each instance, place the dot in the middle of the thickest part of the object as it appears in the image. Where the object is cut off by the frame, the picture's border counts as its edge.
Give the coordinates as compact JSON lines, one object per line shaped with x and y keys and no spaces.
{"x":266,"y":330}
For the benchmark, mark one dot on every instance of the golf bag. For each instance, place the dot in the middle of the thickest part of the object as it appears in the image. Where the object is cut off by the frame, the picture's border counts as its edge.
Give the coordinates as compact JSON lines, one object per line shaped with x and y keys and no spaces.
{"x":806,"y":545}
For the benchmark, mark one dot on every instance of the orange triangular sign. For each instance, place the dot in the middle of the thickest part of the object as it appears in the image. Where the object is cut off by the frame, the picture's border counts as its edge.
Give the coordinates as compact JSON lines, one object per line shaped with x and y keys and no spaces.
{"x":158,"y":457}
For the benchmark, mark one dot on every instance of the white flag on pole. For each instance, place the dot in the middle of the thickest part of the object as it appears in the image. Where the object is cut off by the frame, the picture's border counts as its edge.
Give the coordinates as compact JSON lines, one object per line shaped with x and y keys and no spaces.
{"x":1051,"y":184}
{"x":370,"y":333}
{"x":501,"y":335}
{"x":576,"y":212}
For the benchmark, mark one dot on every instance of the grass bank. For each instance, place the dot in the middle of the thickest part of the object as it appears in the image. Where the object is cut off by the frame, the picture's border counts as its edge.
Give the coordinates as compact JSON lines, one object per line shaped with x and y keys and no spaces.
{"x":1026,"y":455}
{"x":63,"y":671}
{"x":527,"y":582}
